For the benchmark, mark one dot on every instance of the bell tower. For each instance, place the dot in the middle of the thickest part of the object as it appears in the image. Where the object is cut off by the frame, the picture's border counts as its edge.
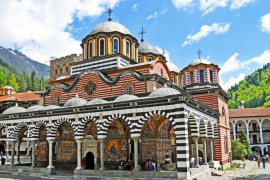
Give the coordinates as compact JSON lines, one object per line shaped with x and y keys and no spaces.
{"x":201,"y":79}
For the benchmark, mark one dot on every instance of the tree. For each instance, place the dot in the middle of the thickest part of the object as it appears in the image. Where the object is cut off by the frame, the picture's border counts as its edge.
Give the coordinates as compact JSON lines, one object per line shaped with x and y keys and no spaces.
{"x":3,"y":79}
{"x":13,"y":82}
{"x":238,"y":150}
{"x":244,"y":140}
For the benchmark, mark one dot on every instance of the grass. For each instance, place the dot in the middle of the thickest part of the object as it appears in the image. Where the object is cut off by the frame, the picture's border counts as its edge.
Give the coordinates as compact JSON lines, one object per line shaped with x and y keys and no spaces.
{"x":231,"y":168}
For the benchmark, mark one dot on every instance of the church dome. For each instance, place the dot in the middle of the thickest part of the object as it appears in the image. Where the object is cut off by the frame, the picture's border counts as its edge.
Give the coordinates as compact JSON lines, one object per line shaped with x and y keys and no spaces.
{"x":164,"y":91}
{"x":34,"y":108}
{"x":147,"y":48}
{"x":110,"y":27}
{"x":8,"y":87}
{"x":126,"y":97}
{"x":75,"y":101}
{"x":14,"y":109}
{"x":199,"y":61}
{"x":96,"y":101}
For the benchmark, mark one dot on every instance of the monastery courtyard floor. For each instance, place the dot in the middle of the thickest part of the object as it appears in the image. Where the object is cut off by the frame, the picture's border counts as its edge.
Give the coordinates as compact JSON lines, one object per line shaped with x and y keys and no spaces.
{"x":251,"y":172}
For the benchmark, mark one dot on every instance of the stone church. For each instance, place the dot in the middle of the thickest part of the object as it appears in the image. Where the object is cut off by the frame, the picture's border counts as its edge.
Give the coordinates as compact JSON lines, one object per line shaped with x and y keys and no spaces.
{"x":119,"y":101}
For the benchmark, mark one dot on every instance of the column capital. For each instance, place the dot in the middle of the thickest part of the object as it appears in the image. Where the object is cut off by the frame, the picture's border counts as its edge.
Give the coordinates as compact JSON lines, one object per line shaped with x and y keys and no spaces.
{"x":50,"y":140}
{"x":195,"y":138}
{"x":135,"y":138}
{"x":79,"y":140}
{"x":204,"y":138}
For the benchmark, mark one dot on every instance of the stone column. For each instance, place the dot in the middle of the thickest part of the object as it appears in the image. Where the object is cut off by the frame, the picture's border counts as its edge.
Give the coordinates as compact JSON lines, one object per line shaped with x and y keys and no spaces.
{"x":50,"y":166}
{"x":33,"y":154}
{"x":12,"y":152}
{"x":79,"y":154}
{"x":204,"y":151}
{"x":261,"y":134}
{"x":7,"y":147}
{"x":196,"y":163}
{"x":247,"y":125}
{"x":234,"y":133}
{"x":27,"y":148}
{"x":211,"y":150}
{"x":18,"y":152}
{"x":101,"y":141}
{"x":135,"y":140}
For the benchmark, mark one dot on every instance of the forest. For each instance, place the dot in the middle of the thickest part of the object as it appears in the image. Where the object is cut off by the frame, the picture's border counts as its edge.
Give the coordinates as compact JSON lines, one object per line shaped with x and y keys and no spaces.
{"x":21,"y":81}
{"x":254,"y":90}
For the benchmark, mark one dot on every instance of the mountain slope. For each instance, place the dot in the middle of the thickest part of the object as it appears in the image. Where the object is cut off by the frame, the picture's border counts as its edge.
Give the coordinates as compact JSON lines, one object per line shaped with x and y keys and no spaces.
{"x":21,"y":62}
{"x":254,"y":90}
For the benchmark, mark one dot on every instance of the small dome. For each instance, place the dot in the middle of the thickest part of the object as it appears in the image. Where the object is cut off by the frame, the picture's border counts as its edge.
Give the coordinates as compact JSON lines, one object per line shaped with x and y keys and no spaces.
{"x":164,"y":91}
{"x":75,"y":101}
{"x":14,"y":109}
{"x":147,"y":48}
{"x":62,"y":77}
{"x":51,"y":107}
{"x":34,"y":108}
{"x":110,"y":27}
{"x":126,"y":97}
{"x":199,"y":61}
{"x":172,"y":67}
{"x":8,"y":87}
{"x":96,"y":101}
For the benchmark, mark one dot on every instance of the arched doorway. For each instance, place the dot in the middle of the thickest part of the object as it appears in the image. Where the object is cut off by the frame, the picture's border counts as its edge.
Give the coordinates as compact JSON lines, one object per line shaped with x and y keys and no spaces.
{"x":2,"y":148}
{"x":90,"y":161}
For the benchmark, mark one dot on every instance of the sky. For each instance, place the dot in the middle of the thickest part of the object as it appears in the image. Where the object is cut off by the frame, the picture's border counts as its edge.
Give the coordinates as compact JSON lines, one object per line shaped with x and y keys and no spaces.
{"x":233,"y":34}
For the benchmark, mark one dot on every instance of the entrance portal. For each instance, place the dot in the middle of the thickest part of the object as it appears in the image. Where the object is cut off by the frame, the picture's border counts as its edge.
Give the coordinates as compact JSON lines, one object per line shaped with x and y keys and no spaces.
{"x":90,"y":164}
{"x":2,"y":148}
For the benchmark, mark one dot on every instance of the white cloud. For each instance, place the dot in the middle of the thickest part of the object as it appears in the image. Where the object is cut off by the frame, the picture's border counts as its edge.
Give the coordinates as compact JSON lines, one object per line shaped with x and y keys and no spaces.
{"x":232,"y":81}
{"x":208,"y":6}
{"x":262,"y":59}
{"x":236,"y":4}
{"x":134,"y":7}
{"x":39,"y":28}
{"x":232,"y":64}
{"x":265,"y":23}
{"x":182,"y":4}
{"x":205,"y":30}
{"x":155,"y":15}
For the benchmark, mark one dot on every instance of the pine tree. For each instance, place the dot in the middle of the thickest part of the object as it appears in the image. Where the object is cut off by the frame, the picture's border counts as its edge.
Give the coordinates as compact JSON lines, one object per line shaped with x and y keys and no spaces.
{"x":13,"y":82}
{"x":3,"y":79}
{"x":244,"y":140}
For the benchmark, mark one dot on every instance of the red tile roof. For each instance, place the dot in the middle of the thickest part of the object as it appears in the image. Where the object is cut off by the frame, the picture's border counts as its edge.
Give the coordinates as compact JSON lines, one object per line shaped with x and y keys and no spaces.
{"x":249,"y":112}
{"x":26,"y":96}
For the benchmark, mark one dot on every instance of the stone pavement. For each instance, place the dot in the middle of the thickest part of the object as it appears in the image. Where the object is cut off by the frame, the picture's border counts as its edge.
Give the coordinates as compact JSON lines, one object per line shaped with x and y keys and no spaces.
{"x":251,"y":172}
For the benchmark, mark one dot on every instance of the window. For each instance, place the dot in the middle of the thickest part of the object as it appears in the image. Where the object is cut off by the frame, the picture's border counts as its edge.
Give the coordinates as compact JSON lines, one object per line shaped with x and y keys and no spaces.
{"x":179,"y":80}
{"x":102,"y":46}
{"x":90,"y":88}
{"x":90,"y":50}
{"x":161,"y":72}
{"x":139,"y":60}
{"x":172,"y":78}
{"x":57,"y":100}
{"x":128,"y":54}
{"x":191,"y":77}
{"x":115,"y":45}
{"x":128,"y":89}
{"x":60,"y":71}
{"x":211,"y":76}
{"x":150,"y":59}
{"x":66,"y":69}
{"x":56,"y":72}
{"x":201,"y":76}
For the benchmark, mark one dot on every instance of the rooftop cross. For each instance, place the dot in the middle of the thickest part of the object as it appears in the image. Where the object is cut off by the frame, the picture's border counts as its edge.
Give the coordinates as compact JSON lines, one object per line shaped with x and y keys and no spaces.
{"x":142,"y":32}
{"x":163,"y":52}
{"x":199,"y":53}
{"x":109,"y":13}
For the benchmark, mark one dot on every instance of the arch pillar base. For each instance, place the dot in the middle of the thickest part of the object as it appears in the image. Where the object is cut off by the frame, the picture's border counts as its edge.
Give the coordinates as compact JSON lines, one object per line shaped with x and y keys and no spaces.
{"x":50,"y":171}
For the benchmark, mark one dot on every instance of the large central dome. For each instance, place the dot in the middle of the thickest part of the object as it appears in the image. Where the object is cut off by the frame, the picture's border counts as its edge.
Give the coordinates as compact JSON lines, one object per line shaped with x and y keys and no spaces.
{"x":147,"y":48}
{"x":110,"y":27}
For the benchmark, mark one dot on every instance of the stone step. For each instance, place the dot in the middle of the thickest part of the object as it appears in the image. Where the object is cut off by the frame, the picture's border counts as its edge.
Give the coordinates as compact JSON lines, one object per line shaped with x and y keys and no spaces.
{"x":217,"y":173}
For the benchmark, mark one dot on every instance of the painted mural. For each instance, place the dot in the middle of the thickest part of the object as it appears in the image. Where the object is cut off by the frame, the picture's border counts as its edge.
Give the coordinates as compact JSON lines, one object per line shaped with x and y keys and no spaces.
{"x":90,"y":129}
{"x":41,"y":149}
{"x":65,"y":146}
{"x":116,"y":146}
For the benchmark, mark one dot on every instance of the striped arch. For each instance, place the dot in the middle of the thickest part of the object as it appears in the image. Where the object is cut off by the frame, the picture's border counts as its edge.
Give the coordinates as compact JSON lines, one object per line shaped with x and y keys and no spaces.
{"x":203,"y":128}
{"x":79,"y":132}
{"x":215,"y":131}
{"x":210,"y":129}
{"x":194,"y":126}
{"x":3,"y":126}
{"x":56,"y":125}
{"x":14,"y":134}
{"x":106,"y":124}
{"x":35,"y":130}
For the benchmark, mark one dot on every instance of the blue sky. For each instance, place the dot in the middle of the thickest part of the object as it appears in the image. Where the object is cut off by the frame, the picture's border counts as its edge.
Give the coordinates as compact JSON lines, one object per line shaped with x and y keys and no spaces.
{"x":234,"y":34}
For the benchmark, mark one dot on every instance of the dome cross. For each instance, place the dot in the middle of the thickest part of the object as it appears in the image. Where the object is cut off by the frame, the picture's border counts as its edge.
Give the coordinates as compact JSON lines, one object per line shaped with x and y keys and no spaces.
{"x":142,"y":32}
{"x":199,"y":52}
{"x":110,"y":13}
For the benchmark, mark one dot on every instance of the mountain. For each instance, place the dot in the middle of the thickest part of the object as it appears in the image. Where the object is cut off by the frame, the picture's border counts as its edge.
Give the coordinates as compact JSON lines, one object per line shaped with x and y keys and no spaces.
{"x":254,"y":90}
{"x":21,"y":62}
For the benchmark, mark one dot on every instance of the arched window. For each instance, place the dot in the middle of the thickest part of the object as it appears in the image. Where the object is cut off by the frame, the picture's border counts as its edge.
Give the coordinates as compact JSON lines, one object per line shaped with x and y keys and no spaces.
{"x":57,"y":99}
{"x":128,"y":89}
{"x":101,"y":42}
{"x":150,"y":58}
{"x":201,"y":76}
{"x":90,"y":54}
{"x":172,"y":78}
{"x":179,"y":81}
{"x":139,"y":60}
{"x":128,"y":49}
{"x":191,"y":77}
{"x":115,"y":45}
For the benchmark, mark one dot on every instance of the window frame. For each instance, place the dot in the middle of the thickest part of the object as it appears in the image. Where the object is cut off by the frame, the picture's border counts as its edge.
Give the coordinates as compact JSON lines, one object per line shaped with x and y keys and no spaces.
{"x":99,"y":46}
